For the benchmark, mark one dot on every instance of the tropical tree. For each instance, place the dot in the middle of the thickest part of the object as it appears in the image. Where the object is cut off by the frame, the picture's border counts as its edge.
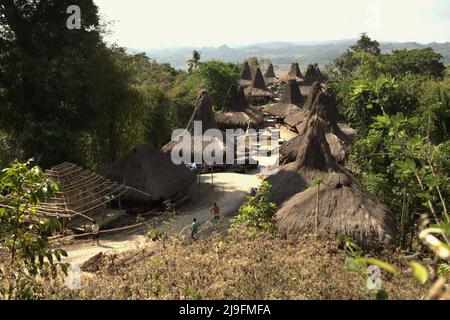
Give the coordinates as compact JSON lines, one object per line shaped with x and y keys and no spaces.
{"x":194,"y":62}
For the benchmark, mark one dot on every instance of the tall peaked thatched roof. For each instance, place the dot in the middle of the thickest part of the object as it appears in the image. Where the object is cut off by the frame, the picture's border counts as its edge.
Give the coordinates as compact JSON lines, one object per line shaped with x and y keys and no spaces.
{"x":294,"y":71}
{"x":202,"y":112}
{"x":233,"y":101}
{"x":258,"y":81}
{"x":246,"y":73}
{"x":236,"y":113}
{"x":295,"y":119}
{"x":312,"y":75}
{"x":291,"y":93}
{"x":323,"y":108}
{"x":344,"y":210}
{"x":258,"y":87}
{"x":148,"y":169}
{"x":313,"y":159}
{"x":242,"y":99}
{"x":270,"y":72}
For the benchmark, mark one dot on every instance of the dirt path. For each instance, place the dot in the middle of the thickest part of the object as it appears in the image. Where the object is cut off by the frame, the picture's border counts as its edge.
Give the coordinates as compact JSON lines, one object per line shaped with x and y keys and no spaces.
{"x":230,"y":190}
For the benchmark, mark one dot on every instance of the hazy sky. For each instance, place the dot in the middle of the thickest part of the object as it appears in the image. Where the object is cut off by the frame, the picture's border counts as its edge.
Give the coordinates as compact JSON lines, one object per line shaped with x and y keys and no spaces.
{"x":162,"y":23}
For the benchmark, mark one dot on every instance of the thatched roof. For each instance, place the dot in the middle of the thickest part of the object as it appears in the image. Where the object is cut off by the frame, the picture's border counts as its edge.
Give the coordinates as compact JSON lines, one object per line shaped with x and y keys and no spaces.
{"x":269,"y":75}
{"x":313,"y":159}
{"x":312,"y":75}
{"x":233,"y":101}
{"x":246,"y":73}
{"x":258,"y":81}
{"x":258,"y":87}
{"x":202,"y":112}
{"x":323,"y":108}
{"x":242,"y":99}
{"x":250,"y":117}
{"x":149,"y":170}
{"x":291,"y":93}
{"x":270,"y":72}
{"x":294,"y":71}
{"x":296,"y":118}
{"x":344,"y":210}
{"x":281,"y":109}
{"x":236,"y":113}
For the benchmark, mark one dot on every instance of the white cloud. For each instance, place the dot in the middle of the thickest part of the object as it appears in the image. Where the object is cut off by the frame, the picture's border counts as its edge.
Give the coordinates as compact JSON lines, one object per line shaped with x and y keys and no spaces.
{"x":151,"y":23}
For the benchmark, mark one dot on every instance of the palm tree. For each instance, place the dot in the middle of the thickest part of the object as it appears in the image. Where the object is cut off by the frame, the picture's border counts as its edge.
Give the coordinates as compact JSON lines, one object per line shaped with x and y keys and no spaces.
{"x":194,"y":61}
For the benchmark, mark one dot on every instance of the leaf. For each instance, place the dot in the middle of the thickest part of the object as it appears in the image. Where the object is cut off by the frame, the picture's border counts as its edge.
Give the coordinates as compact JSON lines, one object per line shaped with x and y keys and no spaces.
{"x":352,"y":265}
{"x":420,"y":272}
{"x":383,"y":265}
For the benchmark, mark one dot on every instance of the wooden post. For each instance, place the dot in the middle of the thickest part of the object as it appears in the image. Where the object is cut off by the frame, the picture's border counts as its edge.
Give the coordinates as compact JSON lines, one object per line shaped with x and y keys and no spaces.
{"x":212,"y":177}
{"x":317,"y":212}
{"x":199,"y":177}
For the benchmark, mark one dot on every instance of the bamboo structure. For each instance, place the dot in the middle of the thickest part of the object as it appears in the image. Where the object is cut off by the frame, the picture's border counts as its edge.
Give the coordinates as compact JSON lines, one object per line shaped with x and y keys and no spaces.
{"x":83,"y":197}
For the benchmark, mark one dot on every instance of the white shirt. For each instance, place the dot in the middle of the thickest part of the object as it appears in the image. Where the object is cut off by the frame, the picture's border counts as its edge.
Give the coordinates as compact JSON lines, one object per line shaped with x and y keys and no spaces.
{"x":95,"y":228}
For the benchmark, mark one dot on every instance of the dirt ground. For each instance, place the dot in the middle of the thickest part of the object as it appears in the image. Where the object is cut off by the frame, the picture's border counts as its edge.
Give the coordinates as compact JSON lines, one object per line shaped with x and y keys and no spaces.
{"x":227,"y":189}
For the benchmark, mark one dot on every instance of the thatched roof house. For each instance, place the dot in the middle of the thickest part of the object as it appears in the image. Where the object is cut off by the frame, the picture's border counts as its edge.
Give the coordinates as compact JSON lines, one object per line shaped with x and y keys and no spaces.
{"x":236,"y":113}
{"x":258,"y":91}
{"x":312,"y":75}
{"x":313,"y":159}
{"x":149,"y":170}
{"x":323,"y":108}
{"x":83,"y":196}
{"x":269,"y":75}
{"x":295,"y":119}
{"x":294,"y":72}
{"x":246,"y":75}
{"x":203,"y":113}
{"x":290,"y":101}
{"x":344,"y":210}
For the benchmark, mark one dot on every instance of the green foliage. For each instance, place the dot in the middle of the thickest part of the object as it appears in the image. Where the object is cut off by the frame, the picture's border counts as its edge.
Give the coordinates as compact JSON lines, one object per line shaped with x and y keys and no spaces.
{"x":366,"y":44}
{"x":22,"y":188}
{"x":425,"y":62}
{"x":214,"y":76}
{"x":258,"y":212}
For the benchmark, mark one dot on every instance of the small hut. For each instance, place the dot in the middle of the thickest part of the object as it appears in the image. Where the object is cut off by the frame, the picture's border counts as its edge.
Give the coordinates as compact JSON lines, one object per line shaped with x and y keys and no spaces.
{"x":312,"y":75}
{"x":269,"y":75}
{"x":236,"y":113}
{"x":246,"y":75}
{"x":202,"y":113}
{"x":294,"y":72}
{"x":258,"y":93}
{"x":147,"y":169}
{"x":83,"y":196}
{"x":344,"y":209}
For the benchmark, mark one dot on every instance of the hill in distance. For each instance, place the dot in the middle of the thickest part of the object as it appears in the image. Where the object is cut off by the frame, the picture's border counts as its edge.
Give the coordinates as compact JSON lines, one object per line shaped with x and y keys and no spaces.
{"x":281,"y":53}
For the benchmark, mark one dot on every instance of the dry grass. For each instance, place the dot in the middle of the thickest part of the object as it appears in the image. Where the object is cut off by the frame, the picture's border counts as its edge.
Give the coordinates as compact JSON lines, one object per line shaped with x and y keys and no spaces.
{"x":238,"y":265}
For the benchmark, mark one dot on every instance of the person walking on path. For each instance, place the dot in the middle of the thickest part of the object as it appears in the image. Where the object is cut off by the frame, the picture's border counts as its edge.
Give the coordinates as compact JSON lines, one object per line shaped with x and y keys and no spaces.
{"x":194,"y":230}
{"x":215,"y":210}
{"x":95,"y":232}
